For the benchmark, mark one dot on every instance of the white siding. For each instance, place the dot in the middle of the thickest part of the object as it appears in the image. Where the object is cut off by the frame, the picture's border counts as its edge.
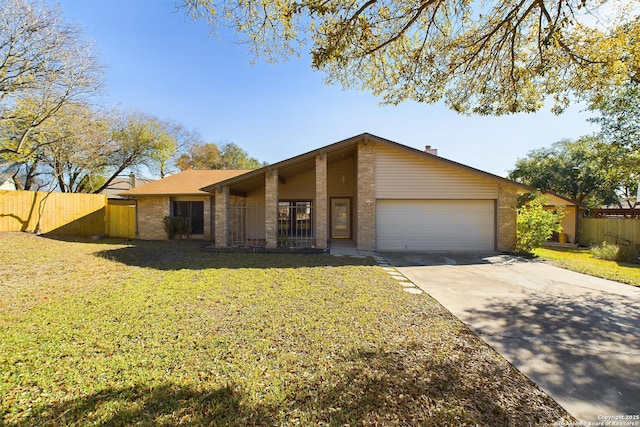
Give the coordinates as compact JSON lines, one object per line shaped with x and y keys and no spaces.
{"x":435,"y":225}
{"x":405,"y":175}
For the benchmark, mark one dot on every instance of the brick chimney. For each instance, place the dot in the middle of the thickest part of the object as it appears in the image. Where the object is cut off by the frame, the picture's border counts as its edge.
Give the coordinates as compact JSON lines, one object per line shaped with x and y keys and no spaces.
{"x":430,"y":150}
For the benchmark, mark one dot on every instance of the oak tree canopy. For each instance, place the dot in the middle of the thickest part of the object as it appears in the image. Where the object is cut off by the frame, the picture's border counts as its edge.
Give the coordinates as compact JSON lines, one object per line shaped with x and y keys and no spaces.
{"x":483,"y":57}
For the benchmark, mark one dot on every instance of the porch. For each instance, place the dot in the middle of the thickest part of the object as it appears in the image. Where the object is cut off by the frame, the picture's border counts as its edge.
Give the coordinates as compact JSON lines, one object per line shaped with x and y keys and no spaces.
{"x":300,"y":203}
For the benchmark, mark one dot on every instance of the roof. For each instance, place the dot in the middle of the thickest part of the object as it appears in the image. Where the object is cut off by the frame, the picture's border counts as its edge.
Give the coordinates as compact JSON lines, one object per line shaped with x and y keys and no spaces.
{"x":123,"y":183}
{"x":366,"y":137}
{"x":566,"y":199}
{"x":185,"y":183}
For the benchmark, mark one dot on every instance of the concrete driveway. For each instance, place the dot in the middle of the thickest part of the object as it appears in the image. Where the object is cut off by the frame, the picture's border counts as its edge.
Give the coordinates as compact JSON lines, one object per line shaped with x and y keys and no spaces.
{"x":576,"y":336}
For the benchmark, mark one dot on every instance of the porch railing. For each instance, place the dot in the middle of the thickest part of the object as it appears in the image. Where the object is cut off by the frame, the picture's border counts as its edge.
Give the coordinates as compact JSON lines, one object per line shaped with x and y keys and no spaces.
{"x":295,"y":225}
{"x":246,"y":226}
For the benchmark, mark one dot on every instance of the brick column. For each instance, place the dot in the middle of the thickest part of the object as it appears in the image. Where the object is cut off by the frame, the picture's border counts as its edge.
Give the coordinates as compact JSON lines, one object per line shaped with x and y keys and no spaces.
{"x":507,"y":218}
{"x":271,"y":208}
{"x":221,"y":216}
{"x":321,"y":201}
{"x":366,"y":200}
{"x":207,"y":218}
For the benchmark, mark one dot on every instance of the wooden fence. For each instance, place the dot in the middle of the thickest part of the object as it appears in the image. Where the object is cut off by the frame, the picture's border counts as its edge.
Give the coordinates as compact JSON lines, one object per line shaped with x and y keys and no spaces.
{"x":121,"y":218}
{"x":595,"y":231}
{"x":64,"y":213}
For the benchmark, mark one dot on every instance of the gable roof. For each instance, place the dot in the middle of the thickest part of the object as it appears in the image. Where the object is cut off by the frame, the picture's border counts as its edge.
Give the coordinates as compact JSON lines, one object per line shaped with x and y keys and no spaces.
{"x":366,"y":137}
{"x":185,"y":183}
{"x":566,"y":199}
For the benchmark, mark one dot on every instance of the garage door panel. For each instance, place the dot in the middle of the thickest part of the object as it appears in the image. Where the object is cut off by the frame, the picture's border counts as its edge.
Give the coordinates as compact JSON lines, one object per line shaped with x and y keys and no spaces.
{"x":435,"y":225}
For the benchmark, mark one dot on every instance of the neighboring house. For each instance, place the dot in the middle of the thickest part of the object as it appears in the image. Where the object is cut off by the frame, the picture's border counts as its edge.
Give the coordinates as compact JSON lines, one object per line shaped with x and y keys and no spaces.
{"x":123,"y":183}
{"x":380,"y":194}
{"x":573,"y":211}
{"x":177,"y":195}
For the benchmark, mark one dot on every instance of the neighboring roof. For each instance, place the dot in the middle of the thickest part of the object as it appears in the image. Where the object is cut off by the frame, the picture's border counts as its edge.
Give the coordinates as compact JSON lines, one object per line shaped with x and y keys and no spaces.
{"x":566,"y":199}
{"x":185,"y":183}
{"x":123,"y":183}
{"x":366,"y":137}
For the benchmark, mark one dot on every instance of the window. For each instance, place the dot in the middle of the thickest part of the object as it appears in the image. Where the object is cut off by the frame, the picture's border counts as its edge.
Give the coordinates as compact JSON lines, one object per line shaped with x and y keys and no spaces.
{"x":295,"y":222}
{"x":193,"y":210}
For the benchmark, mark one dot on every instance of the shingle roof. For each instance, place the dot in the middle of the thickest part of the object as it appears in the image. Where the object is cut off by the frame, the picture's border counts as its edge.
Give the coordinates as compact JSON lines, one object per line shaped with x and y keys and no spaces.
{"x":185,"y":183}
{"x":367,"y":137}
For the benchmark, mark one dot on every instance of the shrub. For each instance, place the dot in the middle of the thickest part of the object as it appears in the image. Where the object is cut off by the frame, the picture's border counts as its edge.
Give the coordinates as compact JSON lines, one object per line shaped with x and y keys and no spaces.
{"x":605,"y":251}
{"x":616,"y":253}
{"x":175,"y":226}
{"x":536,"y":225}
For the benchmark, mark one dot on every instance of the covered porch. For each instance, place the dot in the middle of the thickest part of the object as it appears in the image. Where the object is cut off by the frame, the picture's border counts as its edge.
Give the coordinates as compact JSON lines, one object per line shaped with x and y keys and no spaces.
{"x":303,"y":202}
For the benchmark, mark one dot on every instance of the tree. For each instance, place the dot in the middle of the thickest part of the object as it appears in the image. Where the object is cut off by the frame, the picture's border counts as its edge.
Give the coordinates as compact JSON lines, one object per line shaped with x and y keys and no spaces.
{"x":479,"y":57}
{"x":170,"y":138}
{"x":619,"y":118}
{"x":599,"y":169}
{"x":619,"y":122}
{"x":137,"y":139}
{"x":75,"y":144}
{"x":25,"y":166}
{"x":44,"y":64}
{"x":82,"y":150}
{"x":200,"y":156}
{"x":210,"y":156}
{"x":586,"y":170}
{"x":234,"y":157}
{"x":536,"y":224}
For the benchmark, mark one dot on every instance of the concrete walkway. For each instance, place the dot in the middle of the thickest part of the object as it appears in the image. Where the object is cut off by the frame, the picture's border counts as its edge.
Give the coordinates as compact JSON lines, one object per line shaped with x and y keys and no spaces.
{"x":347,"y":247}
{"x":577,"y":337}
{"x":343,"y":247}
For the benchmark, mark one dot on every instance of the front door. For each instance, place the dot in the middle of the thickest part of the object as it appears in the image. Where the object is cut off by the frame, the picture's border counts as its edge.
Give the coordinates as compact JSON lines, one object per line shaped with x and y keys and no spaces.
{"x":340,"y":218}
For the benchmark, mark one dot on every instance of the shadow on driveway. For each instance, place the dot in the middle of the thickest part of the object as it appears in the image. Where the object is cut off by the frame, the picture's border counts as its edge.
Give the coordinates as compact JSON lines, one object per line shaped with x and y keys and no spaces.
{"x":584,"y":352}
{"x":576,"y":336}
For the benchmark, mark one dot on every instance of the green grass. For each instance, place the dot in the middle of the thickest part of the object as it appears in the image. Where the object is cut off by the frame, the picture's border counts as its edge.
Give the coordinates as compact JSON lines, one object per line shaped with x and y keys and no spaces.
{"x":161,"y":333}
{"x":582,"y":261}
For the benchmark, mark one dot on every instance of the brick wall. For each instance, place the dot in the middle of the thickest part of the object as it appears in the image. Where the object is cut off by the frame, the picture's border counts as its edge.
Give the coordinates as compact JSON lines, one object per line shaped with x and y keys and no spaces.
{"x":366,"y":196}
{"x":321,"y":202}
{"x":151,"y":211}
{"x":507,"y":218}
{"x":221,"y":212}
{"x":271,"y":208}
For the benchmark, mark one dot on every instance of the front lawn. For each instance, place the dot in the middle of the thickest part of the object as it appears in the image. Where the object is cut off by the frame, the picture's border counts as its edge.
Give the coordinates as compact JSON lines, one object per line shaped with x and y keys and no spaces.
{"x":582,"y":261}
{"x":160,"y":333}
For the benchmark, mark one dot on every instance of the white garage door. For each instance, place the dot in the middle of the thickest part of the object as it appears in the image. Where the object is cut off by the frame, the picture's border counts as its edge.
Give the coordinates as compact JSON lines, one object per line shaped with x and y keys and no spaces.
{"x":435,"y":225}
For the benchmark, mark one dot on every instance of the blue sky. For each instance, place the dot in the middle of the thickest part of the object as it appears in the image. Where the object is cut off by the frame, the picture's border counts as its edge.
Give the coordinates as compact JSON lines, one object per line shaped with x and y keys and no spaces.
{"x":162,"y":63}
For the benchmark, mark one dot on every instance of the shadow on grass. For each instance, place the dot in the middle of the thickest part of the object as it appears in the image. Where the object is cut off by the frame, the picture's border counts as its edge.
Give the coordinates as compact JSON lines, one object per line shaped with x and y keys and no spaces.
{"x":375,"y":388}
{"x":398,"y":388}
{"x":165,"y":404}
{"x":192,"y":255}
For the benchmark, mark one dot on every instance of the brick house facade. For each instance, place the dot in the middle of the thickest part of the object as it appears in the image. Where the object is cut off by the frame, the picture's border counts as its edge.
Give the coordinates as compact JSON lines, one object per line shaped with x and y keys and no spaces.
{"x":380,"y":194}
{"x":377,"y":193}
